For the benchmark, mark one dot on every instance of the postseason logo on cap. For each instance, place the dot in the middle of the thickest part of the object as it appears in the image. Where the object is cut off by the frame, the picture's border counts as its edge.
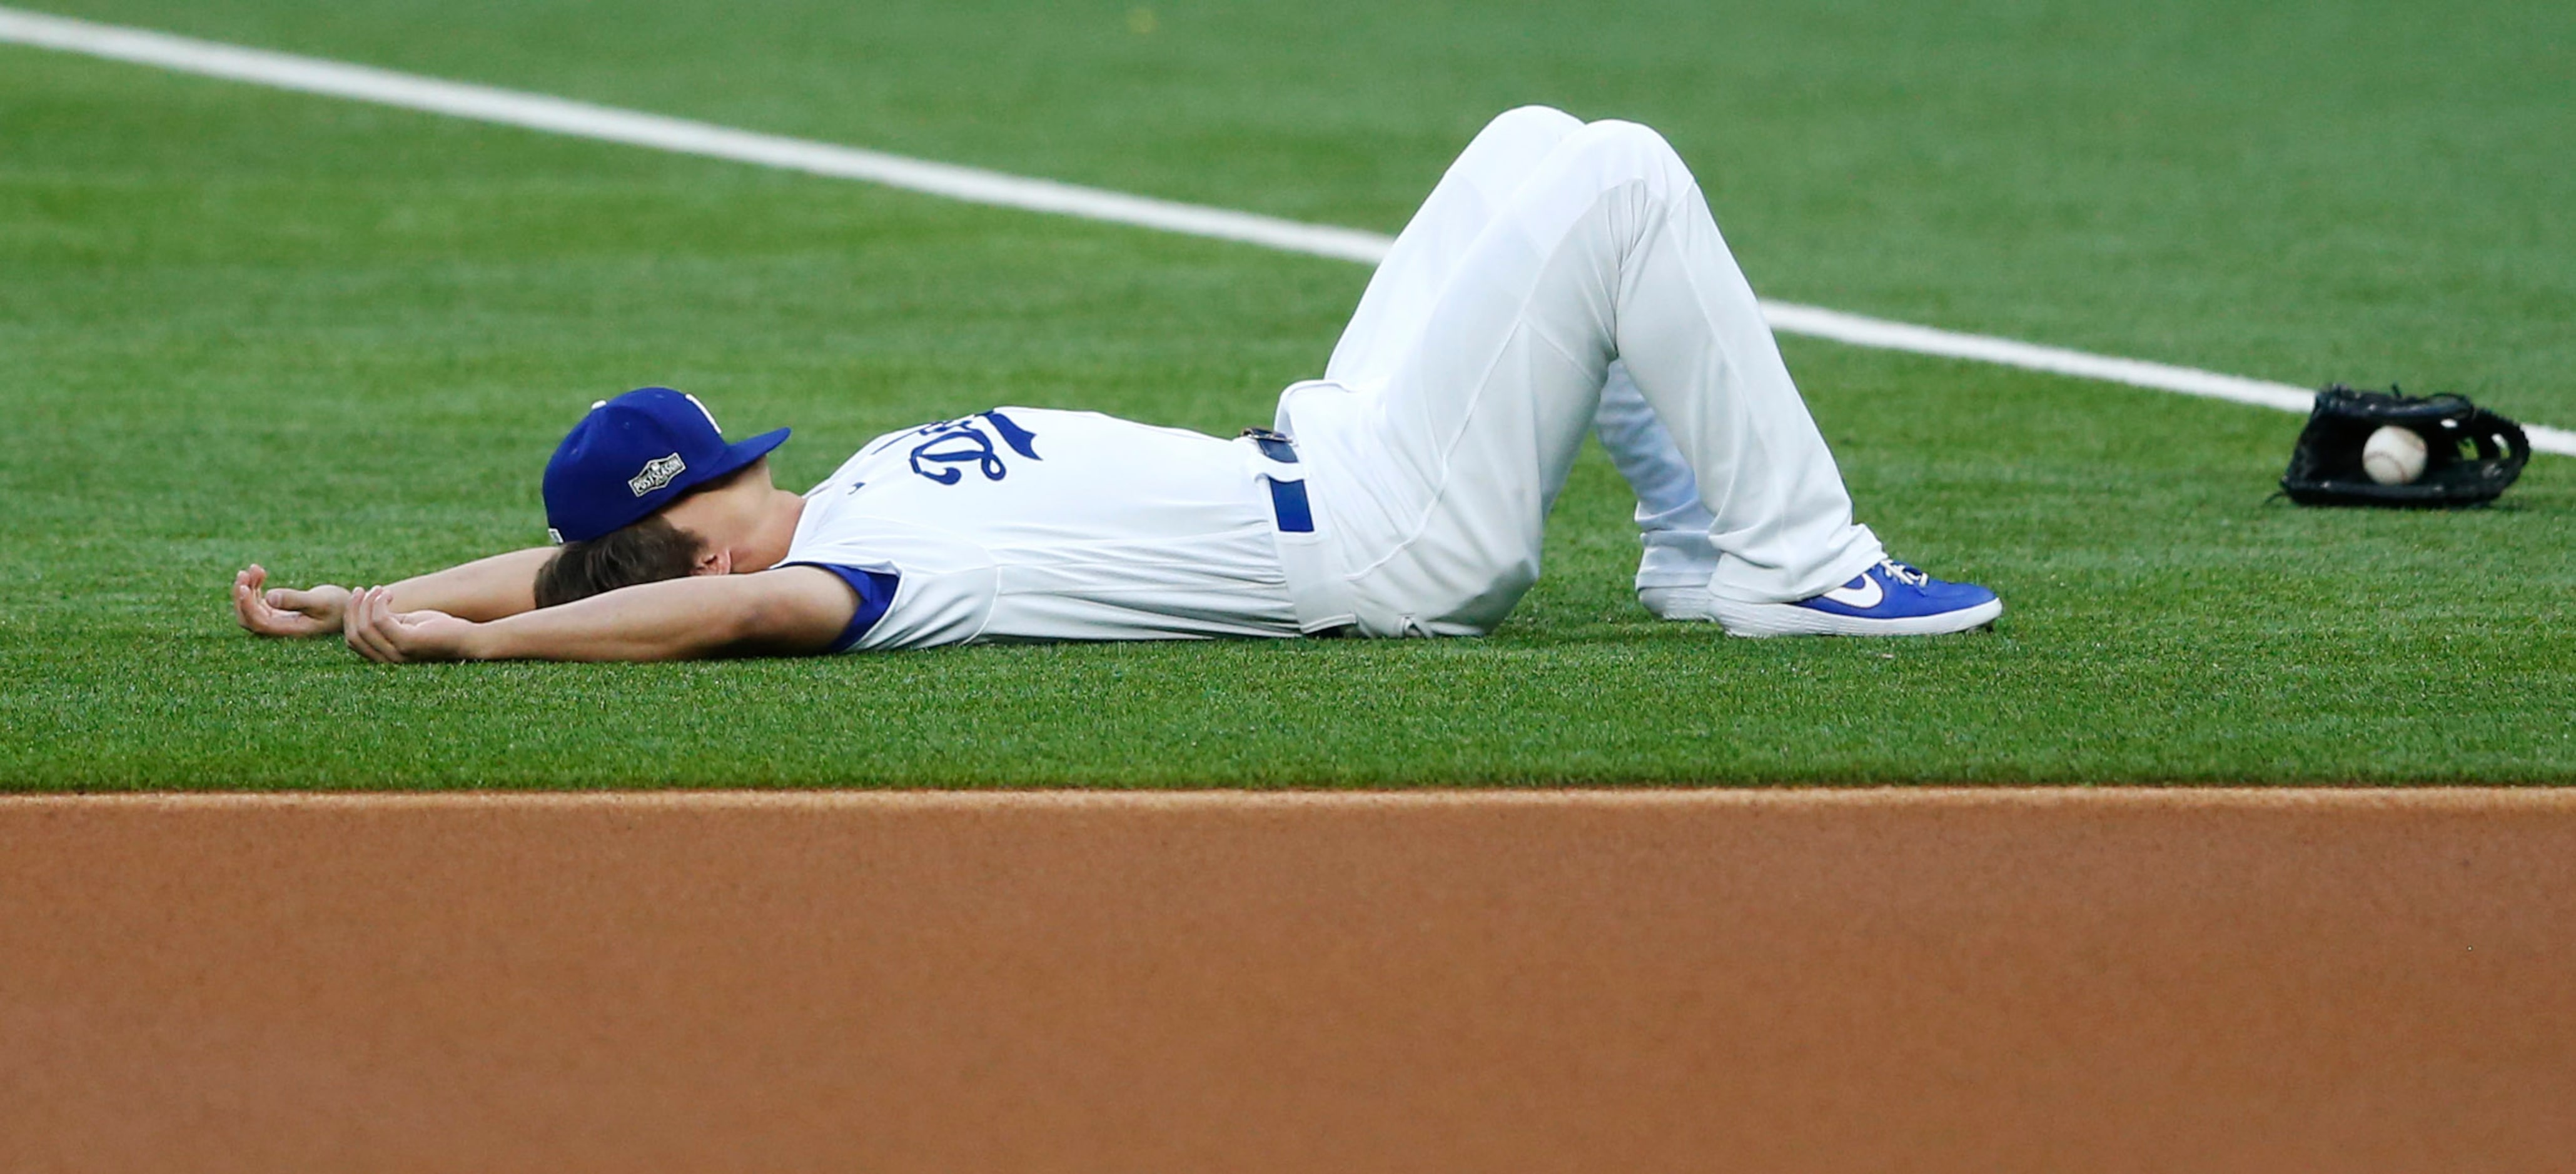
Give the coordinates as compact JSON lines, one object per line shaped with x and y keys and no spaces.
{"x":656,"y":474}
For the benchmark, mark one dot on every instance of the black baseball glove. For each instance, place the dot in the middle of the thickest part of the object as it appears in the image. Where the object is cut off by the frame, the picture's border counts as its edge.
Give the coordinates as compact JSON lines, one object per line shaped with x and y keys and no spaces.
{"x":2471,"y":454}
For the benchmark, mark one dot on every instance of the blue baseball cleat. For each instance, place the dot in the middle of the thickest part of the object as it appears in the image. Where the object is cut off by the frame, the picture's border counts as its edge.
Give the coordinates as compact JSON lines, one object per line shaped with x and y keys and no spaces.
{"x":1890,"y":599}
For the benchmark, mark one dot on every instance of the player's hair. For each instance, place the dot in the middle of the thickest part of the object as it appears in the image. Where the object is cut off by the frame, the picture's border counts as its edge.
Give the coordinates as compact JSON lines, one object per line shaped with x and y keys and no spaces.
{"x":647,"y":552}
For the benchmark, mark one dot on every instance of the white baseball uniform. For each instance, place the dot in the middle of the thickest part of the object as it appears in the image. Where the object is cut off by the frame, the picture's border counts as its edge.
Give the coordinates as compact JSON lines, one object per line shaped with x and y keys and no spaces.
{"x":1554,"y":259}
{"x":1035,"y":524}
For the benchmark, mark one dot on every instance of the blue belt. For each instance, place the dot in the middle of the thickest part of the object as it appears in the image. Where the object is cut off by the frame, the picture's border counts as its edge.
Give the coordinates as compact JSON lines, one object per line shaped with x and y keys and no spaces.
{"x":1274,"y":445}
{"x":1287,"y":498}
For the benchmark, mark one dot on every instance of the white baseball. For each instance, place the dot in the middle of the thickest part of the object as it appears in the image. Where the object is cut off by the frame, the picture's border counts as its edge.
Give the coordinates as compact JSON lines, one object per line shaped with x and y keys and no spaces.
{"x":2393,"y":455}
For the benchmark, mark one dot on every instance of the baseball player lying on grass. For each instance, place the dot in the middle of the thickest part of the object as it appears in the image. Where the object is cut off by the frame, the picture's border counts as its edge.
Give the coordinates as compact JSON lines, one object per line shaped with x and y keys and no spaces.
{"x":1561,"y":275}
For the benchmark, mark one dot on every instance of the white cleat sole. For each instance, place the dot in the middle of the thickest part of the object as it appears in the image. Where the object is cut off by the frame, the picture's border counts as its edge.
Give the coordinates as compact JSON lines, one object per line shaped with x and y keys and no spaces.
{"x":1676,"y":603}
{"x":1788,"y":619}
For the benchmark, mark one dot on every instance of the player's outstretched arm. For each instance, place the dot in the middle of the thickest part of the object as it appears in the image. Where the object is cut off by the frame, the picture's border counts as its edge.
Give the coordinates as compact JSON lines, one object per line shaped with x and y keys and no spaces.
{"x":485,"y":589}
{"x":789,"y":611}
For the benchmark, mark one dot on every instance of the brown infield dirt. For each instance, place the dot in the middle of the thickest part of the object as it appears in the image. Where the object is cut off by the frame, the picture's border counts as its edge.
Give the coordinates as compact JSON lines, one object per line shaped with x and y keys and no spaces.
{"x":1582,"y":981}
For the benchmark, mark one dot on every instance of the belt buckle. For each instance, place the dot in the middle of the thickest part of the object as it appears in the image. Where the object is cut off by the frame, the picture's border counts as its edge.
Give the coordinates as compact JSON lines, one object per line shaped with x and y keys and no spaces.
{"x":1274,"y":444}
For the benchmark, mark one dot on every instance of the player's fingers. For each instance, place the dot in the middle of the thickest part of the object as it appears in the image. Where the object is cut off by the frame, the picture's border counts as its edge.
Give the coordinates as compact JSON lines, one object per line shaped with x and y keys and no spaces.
{"x":430,"y":635}
{"x":258,"y":610}
{"x":385,"y":628}
{"x":249,"y":580}
{"x":373,"y":628}
{"x":371,"y":638}
{"x":423,"y":635}
{"x":290,"y":599}
{"x":392,"y":630}
{"x":353,"y":628}
{"x":349,"y":624}
{"x":255,"y":614}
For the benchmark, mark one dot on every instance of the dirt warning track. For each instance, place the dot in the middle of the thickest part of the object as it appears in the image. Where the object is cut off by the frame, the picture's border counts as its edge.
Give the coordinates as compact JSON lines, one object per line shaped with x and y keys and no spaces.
{"x":1781,"y":981}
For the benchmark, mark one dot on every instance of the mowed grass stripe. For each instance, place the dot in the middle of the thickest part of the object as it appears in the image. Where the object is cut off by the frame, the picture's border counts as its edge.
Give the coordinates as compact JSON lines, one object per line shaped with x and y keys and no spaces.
{"x":341,"y":339}
{"x":556,"y":115}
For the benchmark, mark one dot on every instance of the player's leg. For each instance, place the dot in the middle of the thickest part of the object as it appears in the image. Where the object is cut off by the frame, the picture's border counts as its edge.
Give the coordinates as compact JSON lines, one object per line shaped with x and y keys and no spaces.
{"x":1790,"y":559}
{"x":1483,"y":177}
{"x":1607,"y":251}
{"x":1672,"y":524}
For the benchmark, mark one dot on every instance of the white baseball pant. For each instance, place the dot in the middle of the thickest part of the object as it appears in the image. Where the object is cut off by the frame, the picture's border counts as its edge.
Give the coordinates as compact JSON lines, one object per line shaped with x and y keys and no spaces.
{"x":1458,"y":397}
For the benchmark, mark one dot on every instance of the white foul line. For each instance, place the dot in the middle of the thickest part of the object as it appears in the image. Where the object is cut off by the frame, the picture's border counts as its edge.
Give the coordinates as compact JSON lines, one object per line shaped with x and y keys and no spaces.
{"x":977,"y":186}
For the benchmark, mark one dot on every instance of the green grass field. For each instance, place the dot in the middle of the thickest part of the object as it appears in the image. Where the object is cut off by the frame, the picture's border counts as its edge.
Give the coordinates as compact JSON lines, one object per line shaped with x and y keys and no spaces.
{"x":238,"y":324}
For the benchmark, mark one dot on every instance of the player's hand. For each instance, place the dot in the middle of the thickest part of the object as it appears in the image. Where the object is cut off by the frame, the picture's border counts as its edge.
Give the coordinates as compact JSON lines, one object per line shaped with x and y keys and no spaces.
{"x":281,"y":611}
{"x":381,"y":634}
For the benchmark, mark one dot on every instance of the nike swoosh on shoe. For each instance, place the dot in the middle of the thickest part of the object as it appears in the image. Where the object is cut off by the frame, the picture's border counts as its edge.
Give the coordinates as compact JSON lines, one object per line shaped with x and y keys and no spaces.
{"x":1862,"y":593}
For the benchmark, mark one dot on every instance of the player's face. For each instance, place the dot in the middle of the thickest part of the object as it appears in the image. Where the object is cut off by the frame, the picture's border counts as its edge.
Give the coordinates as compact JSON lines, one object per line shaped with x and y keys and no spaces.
{"x":725,"y":516}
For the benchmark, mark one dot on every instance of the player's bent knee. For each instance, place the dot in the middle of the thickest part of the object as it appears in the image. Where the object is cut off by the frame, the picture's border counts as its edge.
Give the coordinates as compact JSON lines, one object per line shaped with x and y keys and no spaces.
{"x":1618,"y":137}
{"x":1533,"y":120}
{"x":1618,"y":150}
{"x":1526,"y":132}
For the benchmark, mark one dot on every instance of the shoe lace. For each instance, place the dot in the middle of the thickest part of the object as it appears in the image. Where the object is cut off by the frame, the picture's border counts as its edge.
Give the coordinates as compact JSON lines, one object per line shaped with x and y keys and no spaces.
{"x":1902,"y":573}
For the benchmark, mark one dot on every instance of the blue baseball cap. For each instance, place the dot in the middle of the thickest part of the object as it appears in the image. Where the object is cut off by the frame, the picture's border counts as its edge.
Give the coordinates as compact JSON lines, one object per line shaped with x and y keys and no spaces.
{"x":635,"y":454}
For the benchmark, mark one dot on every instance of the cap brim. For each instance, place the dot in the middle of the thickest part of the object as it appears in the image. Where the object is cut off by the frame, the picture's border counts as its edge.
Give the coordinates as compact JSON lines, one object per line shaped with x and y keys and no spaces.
{"x":738,"y":455}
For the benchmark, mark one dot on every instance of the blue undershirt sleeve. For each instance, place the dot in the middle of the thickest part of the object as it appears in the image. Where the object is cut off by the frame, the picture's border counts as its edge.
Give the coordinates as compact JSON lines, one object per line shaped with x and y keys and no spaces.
{"x":875,"y":590}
